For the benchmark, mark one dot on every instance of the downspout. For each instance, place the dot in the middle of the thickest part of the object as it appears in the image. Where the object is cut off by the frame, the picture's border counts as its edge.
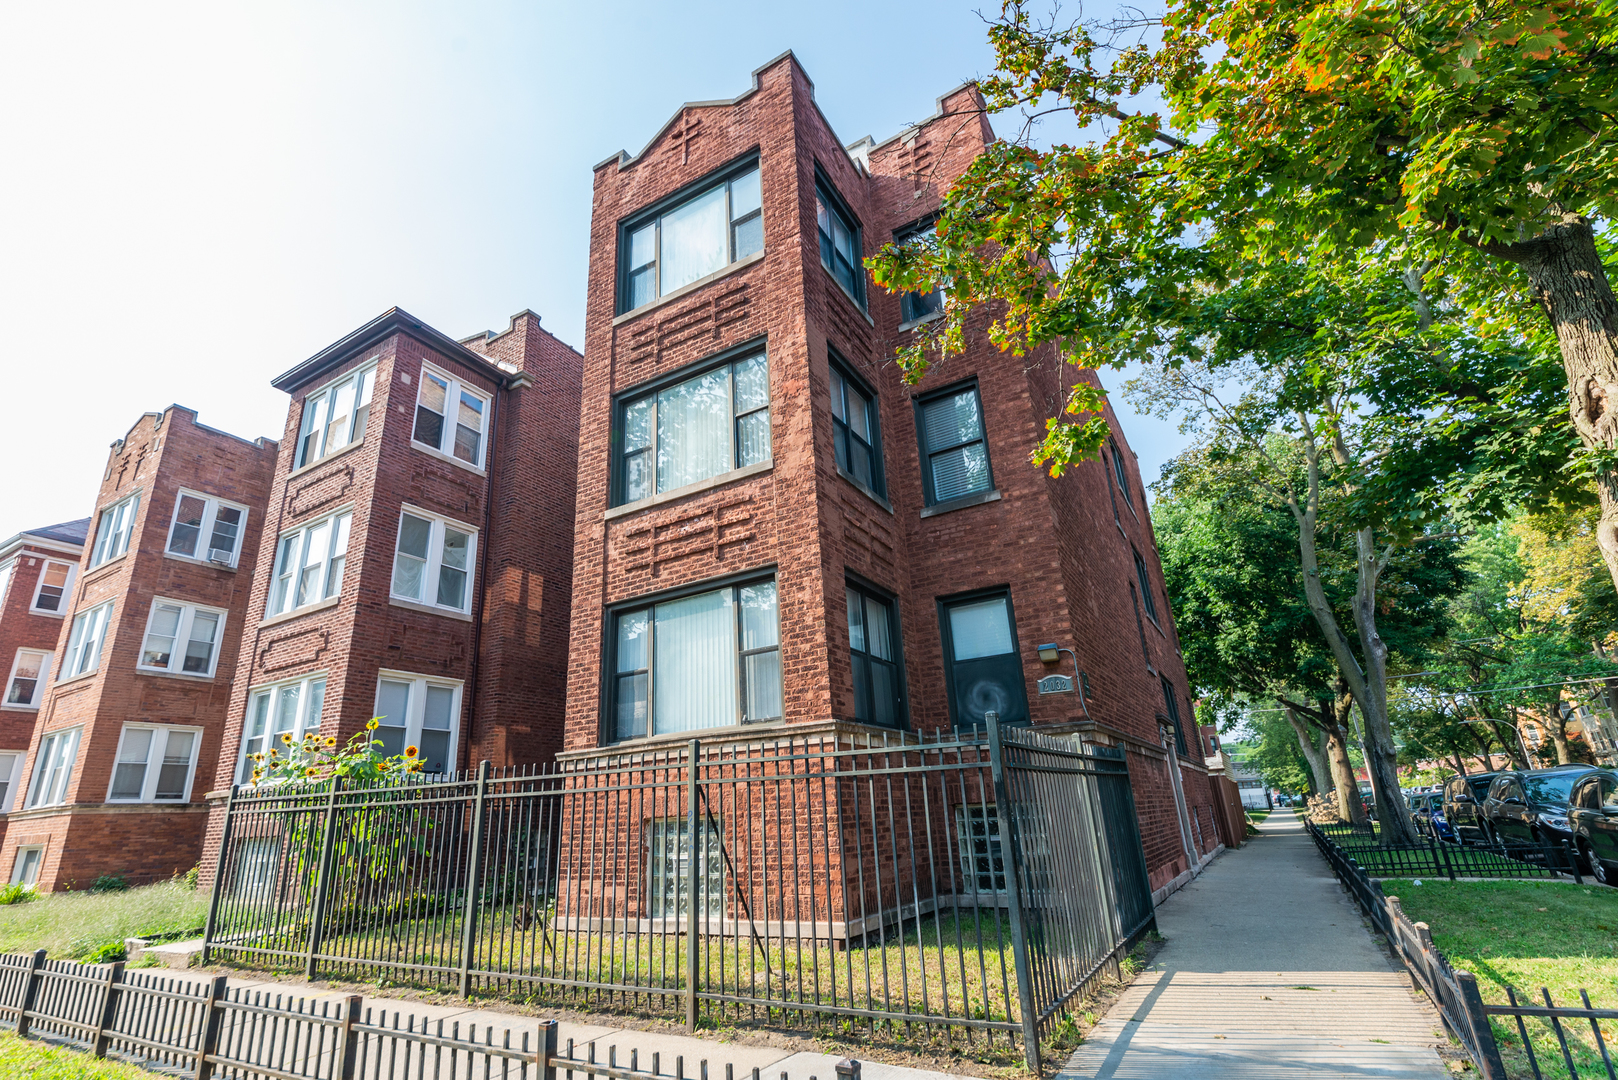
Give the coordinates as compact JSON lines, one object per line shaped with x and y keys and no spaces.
{"x":1193,"y":862}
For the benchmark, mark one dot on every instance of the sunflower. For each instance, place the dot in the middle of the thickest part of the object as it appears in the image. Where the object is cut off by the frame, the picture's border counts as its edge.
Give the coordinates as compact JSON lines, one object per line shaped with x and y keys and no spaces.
{"x":286,"y":737}
{"x":258,"y":774}
{"x":311,"y":771}
{"x":411,"y":752}
{"x":372,"y":724}
{"x":274,"y":752}
{"x":331,"y":740}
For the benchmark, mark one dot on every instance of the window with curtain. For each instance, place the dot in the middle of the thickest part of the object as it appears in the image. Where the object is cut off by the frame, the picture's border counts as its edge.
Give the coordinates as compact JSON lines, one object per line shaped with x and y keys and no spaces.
{"x":50,"y":594}
{"x":915,"y":306}
{"x":432,"y":563}
{"x":53,"y":768}
{"x":291,"y":708}
{"x":418,"y":711}
{"x":451,"y":417}
{"x":114,"y":530}
{"x":154,"y":764}
{"x":335,"y":416}
{"x":30,"y":672}
{"x":855,"y":432}
{"x":873,"y":642}
{"x":309,"y":564}
{"x":84,"y":641}
{"x":955,"y":456}
{"x":707,"y":660}
{"x":1145,"y":580}
{"x":983,"y":665}
{"x":206,"y":528}
{"x":697,"y":236}
{"x":840,"y":247}
{"x":181,"y":638}
{"x":694,"y":429}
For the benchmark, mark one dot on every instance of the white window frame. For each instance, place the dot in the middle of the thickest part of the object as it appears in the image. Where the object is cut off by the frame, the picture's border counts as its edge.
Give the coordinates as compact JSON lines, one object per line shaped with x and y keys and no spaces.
{"x":39,"y":587}
{"x":154,"y":762}
{"x":21,"y":860}
{"x":11,"y":777}
{"x":452,"y":398}
{"x":93,"y":622}
{"x":182,"y":638}
{"x":435,"y":560}
{"x":210,"y":517}
{"x":302,"y":722}
{"x":417,"y":708}
{"x":8,"y":570}
{"x":56,"y":777}
{"x":314,"y":444}
{"x":115,"y":526}
{"x":280,"y":572}
{"x":39,"y":687}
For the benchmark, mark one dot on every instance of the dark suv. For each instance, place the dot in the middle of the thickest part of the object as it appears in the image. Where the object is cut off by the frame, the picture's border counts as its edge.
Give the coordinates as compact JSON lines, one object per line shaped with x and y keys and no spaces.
{"x":1593,"y":816}
{"x":1463,"y":807}
{"x":1527,"y":807}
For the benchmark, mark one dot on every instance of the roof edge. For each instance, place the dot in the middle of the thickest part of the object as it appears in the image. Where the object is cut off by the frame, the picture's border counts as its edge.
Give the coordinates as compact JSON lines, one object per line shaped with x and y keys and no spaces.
{"x":938,"y":114}
{"x":391,"y":321}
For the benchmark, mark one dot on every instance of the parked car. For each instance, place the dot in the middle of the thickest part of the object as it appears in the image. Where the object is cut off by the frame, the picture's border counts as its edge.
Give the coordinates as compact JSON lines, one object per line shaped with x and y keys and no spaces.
{"x":1531,"y":806}
{"x":1427,"y":811}
{"x":1463,"y":799}
{"x":1593,"y":817}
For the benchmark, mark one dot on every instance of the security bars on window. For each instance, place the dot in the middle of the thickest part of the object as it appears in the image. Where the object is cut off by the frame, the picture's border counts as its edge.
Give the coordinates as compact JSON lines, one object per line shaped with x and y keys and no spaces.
{"x":695,"y":429}
{"x":699,"y":236}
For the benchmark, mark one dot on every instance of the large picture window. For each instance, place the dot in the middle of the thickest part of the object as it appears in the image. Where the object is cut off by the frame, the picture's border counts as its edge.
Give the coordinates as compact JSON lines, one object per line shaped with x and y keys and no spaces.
{"x":206,"y":528}
{"x":982,"y":661}
{"x":309,"y":564}
{"x":695,"y":237}
{"x":696,"y":428}
{"x":182,"y":639}
{"x":50,"y":595}
{"x":85,"y":639}
{"x":53,"y":768}
{"x":113,"y":532}
{"x":30,"y":672}
{"x":955,"y":456}
{"x":334,"y":417}
{"x":451,"y":417}
{"x":289,"y":708}
{"x":154,"y":764}
{"x":419,"y":711}
{"x":701,"y":661}
{"x":855,"y":431}
{"x":432,"y":563}
{"x":873,"y":641}
{"x":840,"y":248}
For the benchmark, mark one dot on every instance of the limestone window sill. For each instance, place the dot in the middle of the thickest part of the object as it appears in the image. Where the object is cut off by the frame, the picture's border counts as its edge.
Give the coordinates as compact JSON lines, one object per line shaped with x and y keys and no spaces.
{"x":975,"y":499}
{"x":327,"y":460}
{"x":867,"y":492}
{"x":923,"y":321}
{"x":450,"y":459}
{"x":709,"y":484}
{"x":852,"y":299}
{"x":231,"y":569}
{"x":686,"y":290}
{"x":295,"y":613}
{"x":428,"y":609}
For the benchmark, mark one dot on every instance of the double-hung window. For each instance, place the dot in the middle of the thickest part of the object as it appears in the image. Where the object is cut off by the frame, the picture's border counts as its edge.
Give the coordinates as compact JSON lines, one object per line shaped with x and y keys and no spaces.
{"x":873,"y":641}
{"x":840,"y":250}
{"x":50,"y":595}
{"x":10,"y":776}
{"x":704,"y":660}
{"x":954,"y":453}
{"x":155,"y":763}
{"x":451,"y":417}
{"x":696,"y":428}
{"x":334,"y":416}
{"x":53,"y":768}
{"x":1121,"y":474}
{"x":309,"y":563}
{"x":855,"y":431}
{"x":26,"y":868}
{"x":982,"y":664}
{"x":1171,"y":703}
{"x":112,"y":534}
{"x":1145,"y":580}
{"x":418,"y":711}
{"x":85,"y":639}
{"x":696,"y":236}
{"x":432,"y":563}
{"x":182,"y":639}
{"x":914,"y":306}
{"x":290,"y":708}
{"x":30,"y":671}
{"x":206,"y":528}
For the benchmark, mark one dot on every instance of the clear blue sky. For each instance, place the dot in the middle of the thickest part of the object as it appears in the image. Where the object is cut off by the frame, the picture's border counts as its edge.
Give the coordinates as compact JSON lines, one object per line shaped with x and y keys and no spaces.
{"x":199,"y":196}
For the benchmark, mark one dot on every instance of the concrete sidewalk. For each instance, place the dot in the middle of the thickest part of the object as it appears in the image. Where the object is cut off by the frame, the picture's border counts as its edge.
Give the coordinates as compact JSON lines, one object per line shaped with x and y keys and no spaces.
{"x":1268,"y":973}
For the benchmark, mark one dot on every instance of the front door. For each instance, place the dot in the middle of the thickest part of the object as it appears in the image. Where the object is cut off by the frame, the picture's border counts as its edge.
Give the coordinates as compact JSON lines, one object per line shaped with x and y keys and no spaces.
{"x":984,"y":667}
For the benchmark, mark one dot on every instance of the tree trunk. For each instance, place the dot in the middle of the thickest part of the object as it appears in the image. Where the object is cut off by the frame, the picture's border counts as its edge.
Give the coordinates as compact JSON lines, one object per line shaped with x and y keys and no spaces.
{"x":1557,"y":726}
{"x":1335,"y":716}
{"x":1381,"y":752}
{"x":1311,"y":753}
{"x":1460,"y":764}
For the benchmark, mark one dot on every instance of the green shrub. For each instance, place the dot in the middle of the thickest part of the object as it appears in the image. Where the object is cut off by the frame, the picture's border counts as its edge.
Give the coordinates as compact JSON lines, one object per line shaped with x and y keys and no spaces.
{"x":17,"y":894}
{"x":105,"y":953}
{"x":110,"y":883}
{"x":192,"y":876}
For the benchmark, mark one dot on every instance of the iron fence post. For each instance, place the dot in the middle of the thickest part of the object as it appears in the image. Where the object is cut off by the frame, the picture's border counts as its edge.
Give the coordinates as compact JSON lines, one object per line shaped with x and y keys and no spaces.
{"x":212,"y":923}
{"x":1572,"y":862}
{"x":1483,"y":1044}
{"x":1011,"y":853}
{"x":213,"y":1015}
{"x":328,"y":845}
{"x":691,"y":888}
{"x":30,"y":993}
{"x":549,"y":1031}
{"x":109,"y":1010}
{"x":474,"y":879}
{"x":348,"y":1043}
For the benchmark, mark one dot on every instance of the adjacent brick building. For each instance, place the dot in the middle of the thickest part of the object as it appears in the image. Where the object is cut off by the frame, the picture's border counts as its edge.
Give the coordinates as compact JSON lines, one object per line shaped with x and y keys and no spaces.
{"x":775,"y":532}
{"x":127,"y":733}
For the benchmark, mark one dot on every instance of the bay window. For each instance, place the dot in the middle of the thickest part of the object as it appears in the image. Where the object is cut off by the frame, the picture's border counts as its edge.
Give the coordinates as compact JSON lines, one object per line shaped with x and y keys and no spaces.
{"x":954,"y":453}
{"x":334,"y":417}
{"x":30,"y":671}
{"x":85,"y":639}
{"x":51,"y":593}
{"x":451,"y":417}
{"x":155,"y":763}
{"x":113,"y":532}
{"x":432,"y":562}
{"x":419,"y":711}
{"x":53,"y":768}
{"x":854,"y":431}
{"x":182,"y":638}
{"x":840,"y":246}
{"x":696,"y":428}
{"x":873,"y":642}
{"x":703,"y":660}
{"x":286,"y":708}
{"x":206,"y":528}
{"x":696,"y":236}
{"x":309,"y":564}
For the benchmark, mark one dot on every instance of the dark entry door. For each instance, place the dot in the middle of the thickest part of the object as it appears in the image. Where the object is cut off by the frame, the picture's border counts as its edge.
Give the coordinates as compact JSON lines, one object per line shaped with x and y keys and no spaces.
{"x":984,"y":666}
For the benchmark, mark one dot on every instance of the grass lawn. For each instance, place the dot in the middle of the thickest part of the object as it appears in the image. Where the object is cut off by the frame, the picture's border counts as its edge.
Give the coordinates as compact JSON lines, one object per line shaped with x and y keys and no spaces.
{"x":73,"y":925}
{"x":1528,"y":935}
{"x":41,"y":1061}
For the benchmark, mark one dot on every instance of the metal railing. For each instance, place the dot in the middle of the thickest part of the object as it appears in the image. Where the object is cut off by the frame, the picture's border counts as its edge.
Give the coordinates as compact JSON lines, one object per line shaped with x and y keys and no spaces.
{"x":970,"y":884}
{"x":1541,"y":858}
{"x":1453,"y":991}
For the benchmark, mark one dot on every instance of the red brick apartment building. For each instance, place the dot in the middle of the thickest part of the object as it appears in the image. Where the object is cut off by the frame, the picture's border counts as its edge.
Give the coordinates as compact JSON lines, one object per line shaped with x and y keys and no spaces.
{"x":143,"y":644}
{"x":774,"y":530}
{"x":418,"y":557}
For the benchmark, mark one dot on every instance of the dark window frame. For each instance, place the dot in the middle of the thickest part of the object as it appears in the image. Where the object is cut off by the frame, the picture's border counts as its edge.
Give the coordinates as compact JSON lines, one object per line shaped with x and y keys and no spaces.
{"x":843,"y":434}
{"x":901,"y":707}
{"x":921,"y":401}
{"x":1121,"y":473}
{"x":1143,"y":575}
{"x":910,"y":304}
{"x":634,"y":222}
{"x":1171,"y":704}
{"x":944,"y":603}
{"x":826,"y":192}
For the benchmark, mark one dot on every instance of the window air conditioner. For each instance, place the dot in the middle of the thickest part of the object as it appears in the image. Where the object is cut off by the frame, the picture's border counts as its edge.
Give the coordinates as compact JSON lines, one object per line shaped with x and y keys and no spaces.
{"x":219,"y":556}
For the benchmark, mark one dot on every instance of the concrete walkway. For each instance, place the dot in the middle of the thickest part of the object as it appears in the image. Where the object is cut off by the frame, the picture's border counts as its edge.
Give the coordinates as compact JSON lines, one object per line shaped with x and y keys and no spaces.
{"x":1268,"y":974}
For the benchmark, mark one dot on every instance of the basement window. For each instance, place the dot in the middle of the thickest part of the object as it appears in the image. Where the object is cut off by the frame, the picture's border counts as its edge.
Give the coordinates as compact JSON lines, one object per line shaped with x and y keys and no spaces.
{"x":669,"y":868}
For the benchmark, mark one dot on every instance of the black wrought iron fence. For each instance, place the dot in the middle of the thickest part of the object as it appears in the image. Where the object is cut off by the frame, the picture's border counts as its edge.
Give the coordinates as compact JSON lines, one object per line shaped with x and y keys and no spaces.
{"x":1501,"y":858}
{"x":970,"y":884}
